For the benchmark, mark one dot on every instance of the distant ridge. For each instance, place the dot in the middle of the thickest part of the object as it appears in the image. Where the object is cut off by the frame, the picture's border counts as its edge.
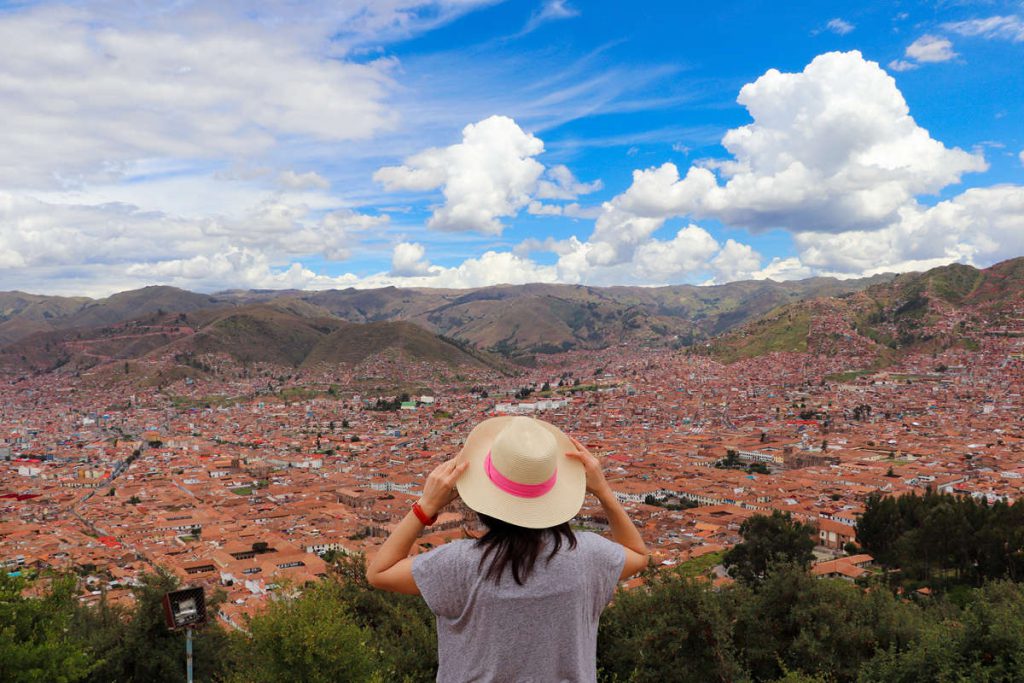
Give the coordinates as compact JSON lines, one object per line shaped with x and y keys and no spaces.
{"x":352,"y":343}
{"x":283,"y":333}
{"x":24,"y":314}
{"x":948,"y":306}
{"x":516,"y":321}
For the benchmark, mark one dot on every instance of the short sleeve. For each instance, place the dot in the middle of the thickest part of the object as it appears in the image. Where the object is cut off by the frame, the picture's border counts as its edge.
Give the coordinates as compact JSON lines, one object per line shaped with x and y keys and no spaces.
{"x":605,"y":560}
{"x":439,"y":575}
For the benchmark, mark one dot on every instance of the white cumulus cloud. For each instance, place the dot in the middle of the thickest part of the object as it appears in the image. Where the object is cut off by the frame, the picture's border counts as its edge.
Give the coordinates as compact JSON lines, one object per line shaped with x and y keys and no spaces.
{"x":667,"y":260}
{"x":302,"y":181}
{"x":46,"y":242}
{"x":832,"y":148}
{"x":490,"y":175}
{"x":570,"y":210}
{"x":692,"y":253}
{"x":833,"y":156}
{"x":560,"y":183}
{"x":407,"y":259}
{"x":902,"y":65}
{"x":981,"y":226}
{"x":736,"y":261}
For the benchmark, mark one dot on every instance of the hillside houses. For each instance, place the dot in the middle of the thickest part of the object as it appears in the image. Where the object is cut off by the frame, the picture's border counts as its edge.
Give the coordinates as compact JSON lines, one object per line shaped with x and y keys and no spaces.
{"x":229,"y":484}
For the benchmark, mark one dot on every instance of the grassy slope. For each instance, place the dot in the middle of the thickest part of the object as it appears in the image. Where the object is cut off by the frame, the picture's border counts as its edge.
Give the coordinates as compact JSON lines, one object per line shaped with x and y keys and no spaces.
{"x":783,"y":330}
{"x":897,"y":315}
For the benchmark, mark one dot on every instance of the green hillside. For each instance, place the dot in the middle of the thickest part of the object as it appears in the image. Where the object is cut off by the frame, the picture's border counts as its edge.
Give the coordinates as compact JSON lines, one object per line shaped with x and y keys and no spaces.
{"x":783,"y":330}
{"x":908,"y":314}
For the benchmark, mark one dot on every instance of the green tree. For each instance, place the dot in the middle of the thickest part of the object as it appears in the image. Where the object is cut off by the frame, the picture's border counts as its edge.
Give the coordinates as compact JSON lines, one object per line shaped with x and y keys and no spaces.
{"x":944,"y":540}
{"x":35,"y":643}
{"x":670,"y":630}
{"x":984,"y":642}
{"x":402,"y":626}
{"x":879,"y":527}
{"x":795,"y":622}
{"x":311,"y":639}
{"x":136,"y":645}
{"x":768,"y":540}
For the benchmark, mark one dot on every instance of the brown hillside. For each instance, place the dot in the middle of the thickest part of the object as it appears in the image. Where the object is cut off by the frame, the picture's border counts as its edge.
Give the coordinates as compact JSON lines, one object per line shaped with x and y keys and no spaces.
{"x":352,"y":344}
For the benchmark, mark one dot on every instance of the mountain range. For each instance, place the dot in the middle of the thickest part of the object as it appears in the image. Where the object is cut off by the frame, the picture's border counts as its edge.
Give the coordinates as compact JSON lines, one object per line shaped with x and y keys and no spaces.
{"x":512,"y":321}
{"x":878,"y":318}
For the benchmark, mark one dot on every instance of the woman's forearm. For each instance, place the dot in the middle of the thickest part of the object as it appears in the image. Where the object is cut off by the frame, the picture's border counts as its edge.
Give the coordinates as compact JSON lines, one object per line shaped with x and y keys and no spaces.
{"x":397,"y":547}
{"x":624,"y":532}
{"x":438,"y":491}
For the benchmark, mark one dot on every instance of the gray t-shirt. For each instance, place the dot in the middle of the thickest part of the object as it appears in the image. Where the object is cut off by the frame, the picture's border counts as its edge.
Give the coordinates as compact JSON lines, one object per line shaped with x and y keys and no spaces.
{"x":542,"y":631}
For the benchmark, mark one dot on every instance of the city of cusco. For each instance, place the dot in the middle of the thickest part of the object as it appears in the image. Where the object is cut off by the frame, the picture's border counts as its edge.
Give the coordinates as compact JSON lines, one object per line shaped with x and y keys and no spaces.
{"x":264,"y":267}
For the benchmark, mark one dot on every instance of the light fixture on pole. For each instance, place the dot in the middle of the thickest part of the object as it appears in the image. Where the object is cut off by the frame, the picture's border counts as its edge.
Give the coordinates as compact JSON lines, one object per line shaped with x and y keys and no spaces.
{"x":185,"y":608}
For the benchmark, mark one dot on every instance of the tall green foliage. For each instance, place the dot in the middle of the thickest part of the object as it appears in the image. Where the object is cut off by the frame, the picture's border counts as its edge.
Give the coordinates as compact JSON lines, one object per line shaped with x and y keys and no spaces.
{"x":35,"y":643}
{"x":311,"y":639}
{"x":794,"y":622}
{"x":136,"y":646}
{"x":943,"y":539}
{"x":768,"y":540}
{"x":671,"y":630}
{"x":790,"y":627}
{"x":787,"y":627}
{"x":983,"y":643}
{"x":402,"y":627}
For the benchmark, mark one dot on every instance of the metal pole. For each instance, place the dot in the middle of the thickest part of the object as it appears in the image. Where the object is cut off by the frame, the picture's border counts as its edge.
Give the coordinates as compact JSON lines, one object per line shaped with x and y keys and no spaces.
{"x":188,"y":653}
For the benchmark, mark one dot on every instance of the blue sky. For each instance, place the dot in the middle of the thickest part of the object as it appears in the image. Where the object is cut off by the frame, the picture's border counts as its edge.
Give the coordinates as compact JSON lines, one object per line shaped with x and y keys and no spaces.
{"x":455,"y":143}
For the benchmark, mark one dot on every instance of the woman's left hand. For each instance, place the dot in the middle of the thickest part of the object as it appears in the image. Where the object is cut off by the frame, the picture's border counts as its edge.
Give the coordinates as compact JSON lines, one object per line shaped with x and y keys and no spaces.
{"x":439,"y":489}
{"x":596,"y":482}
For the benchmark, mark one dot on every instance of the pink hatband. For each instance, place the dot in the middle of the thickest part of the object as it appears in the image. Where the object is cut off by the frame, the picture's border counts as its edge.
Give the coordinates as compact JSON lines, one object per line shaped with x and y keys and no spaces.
{"x":514,"y":487}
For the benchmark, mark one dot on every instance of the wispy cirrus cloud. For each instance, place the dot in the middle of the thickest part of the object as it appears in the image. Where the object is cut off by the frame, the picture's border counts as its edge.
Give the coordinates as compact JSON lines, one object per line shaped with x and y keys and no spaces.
{"x":930,"y":49}
{"x":839,"y":26}
{"x":115,"y":94}
{"x":551,"y":10}
{"x":1009,"y":27}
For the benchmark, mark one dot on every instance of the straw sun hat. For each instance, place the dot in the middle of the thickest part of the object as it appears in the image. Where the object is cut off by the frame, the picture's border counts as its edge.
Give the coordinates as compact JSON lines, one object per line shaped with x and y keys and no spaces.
{"x":518,"y":472}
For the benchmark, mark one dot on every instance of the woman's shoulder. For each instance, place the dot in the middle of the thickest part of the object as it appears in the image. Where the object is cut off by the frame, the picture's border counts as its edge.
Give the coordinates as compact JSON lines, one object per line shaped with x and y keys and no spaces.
{"x":452,"y":551}
{"x":591,"y":539}
{"x":595,"y":544}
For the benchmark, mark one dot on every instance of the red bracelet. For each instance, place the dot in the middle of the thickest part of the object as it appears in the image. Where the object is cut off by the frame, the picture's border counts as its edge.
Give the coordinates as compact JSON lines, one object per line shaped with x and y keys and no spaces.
{"x":422,"y":516}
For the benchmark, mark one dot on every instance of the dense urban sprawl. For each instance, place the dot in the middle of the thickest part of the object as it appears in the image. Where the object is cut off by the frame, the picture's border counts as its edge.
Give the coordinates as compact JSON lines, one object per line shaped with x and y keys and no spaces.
{"x":255,"y":479}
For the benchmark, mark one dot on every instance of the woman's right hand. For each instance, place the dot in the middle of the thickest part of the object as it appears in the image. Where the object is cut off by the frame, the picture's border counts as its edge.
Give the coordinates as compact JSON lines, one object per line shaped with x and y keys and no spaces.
{"x":596,"y":482}
{"x":439,"y":488}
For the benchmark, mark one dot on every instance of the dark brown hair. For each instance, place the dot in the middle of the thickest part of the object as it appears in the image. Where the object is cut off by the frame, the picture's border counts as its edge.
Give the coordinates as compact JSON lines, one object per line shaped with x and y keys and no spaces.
{"x":517,"y":547}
